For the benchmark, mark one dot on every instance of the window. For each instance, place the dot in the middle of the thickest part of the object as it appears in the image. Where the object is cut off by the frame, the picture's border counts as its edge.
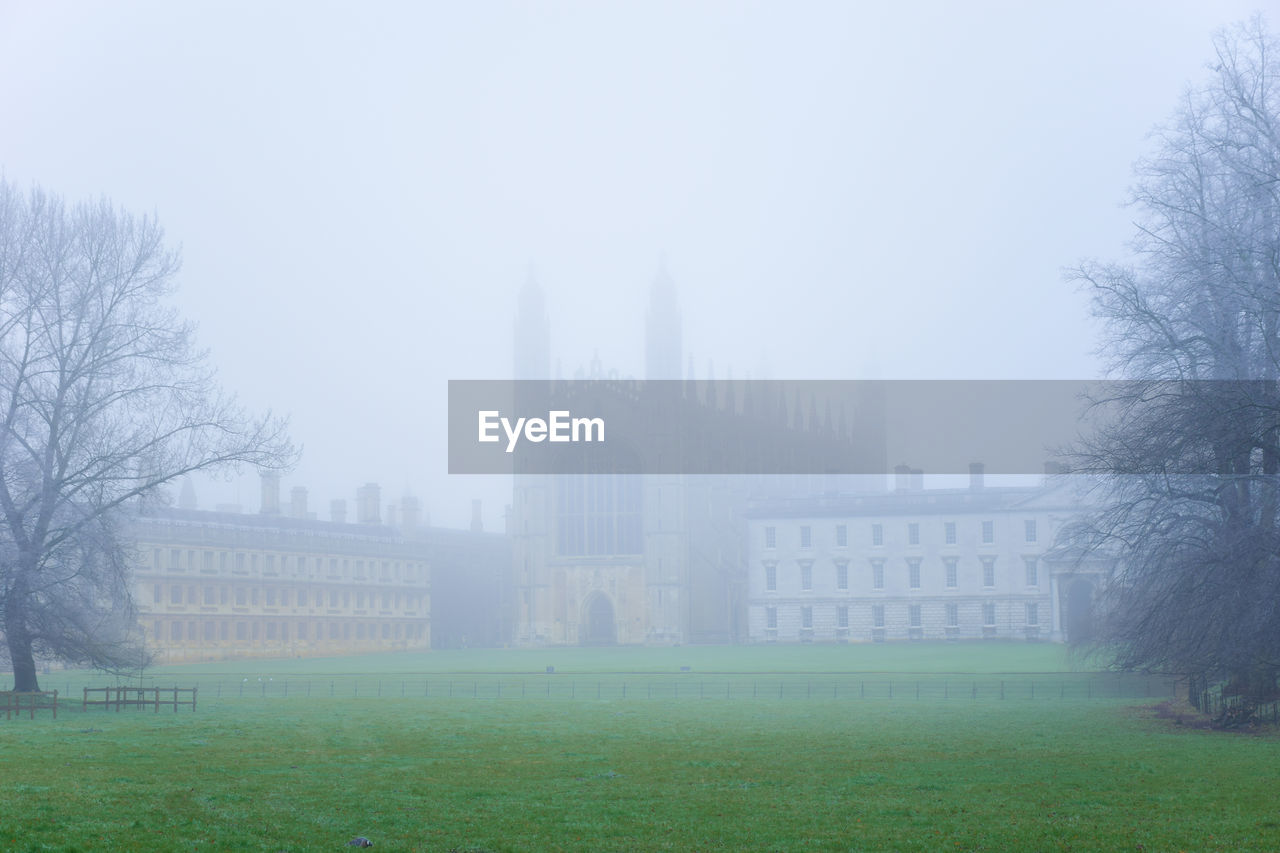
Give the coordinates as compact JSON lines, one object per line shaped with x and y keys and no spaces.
{"x":210,"y":597}
{"x":175,"y":631}
{"x":806,"y":536}
{"x":208,"y":561}
{"x":175,"y":558}
{"x":301,"y":631}
{"x":271,"y":596}
{"x":1029,"y":527}
{"x":771,"y":537}
{"x":914,"y":612}
{"x":806,"y":617}
{"x":253,"y":597}
{"x":771,"y":618}
{"x":242,"y":631}
{"x":988,"y":571}
{"x":771,"y":576}
{"x":240,"y":597}
{"x":210,"y":632}
{"x":949,"y":529}
{"x":913,"y":574}
{"x":175,"y":594}
{"x":302,"y":598}
{"x":877,"y":615}
{"x":155,"y":594}
{"x":877,"y":534}
{"x":952,"y":574}
{"x":1033,"y":613}
{"x":842,"y":616}
{"x":842,"y":575}
{"x":271,"y":564}
{"x":988,"y":532}
{"x":953,"y":616}
{"x":598,"y":514}
{"x":877,"y":574}
{"x":240,"y":563}
{"x":806,"y":575}
{"x":842,"y":535}
{"x":989,"y":615}
{"x":913,"y":533}
{"x":1033,"y":571}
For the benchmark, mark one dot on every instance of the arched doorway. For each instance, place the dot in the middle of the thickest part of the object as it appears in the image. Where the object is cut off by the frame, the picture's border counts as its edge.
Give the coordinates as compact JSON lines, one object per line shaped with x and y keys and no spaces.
{"x":599,"y":628}
{"x":1079,"y":621}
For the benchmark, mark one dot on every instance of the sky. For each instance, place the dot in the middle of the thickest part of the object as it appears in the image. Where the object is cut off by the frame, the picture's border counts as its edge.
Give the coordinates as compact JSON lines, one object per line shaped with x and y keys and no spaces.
{"x":837,"y":190}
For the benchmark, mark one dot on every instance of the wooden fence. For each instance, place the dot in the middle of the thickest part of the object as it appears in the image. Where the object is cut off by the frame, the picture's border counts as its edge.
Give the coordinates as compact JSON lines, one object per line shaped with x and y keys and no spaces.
{"x":140,"y":697}
{"x":16,"y":703}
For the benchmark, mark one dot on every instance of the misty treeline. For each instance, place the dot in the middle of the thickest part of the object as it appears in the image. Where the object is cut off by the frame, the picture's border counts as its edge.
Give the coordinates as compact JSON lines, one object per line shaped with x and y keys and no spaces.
{"x":1192,"y":460}
{"x":104,"y":398}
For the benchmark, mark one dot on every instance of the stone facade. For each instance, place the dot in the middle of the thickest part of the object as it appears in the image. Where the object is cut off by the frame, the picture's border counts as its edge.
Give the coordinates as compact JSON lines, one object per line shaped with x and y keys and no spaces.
{"x":212,"y":585}
{"x":915,"y":564}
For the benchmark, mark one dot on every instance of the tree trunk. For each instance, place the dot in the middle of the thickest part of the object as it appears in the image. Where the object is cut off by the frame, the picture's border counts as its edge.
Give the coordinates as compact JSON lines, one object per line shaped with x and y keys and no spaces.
{"x":19,"y":640}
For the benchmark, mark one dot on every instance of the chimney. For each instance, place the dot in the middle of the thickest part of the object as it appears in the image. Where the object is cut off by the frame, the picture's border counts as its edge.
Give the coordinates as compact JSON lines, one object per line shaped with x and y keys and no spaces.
{"x":368,"y":504}
{"x":901,"y":478}
{"x":477,"y":523}
{"x":298,"y":502}
{"x":270,"y":494}
{"x":917,"y":479}
{"x":410,"y":512}
{"x":338,"y":511}
{"x":976,"y":475}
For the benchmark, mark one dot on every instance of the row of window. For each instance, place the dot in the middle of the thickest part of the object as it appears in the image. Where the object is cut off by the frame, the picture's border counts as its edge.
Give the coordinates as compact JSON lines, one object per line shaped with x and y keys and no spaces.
{"x":914,"y":615}
{"x":270,"y":596}
{"x":296,"y":565}
{"x":951,"y":573}
{"x":271,"y":631}
{"x":949,"y":535}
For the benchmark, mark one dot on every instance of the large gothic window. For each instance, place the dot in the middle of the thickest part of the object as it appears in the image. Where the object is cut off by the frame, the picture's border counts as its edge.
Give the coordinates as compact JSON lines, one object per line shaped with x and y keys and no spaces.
{"x":598,"y":515}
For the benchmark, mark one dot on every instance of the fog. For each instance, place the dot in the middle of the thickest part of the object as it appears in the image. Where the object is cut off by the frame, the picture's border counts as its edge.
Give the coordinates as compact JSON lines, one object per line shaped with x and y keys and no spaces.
{"x":837,"y":190}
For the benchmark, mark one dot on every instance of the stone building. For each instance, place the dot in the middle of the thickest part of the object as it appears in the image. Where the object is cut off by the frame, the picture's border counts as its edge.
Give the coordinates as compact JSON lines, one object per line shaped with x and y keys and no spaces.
{"x":601,"y":557}
{"x":224,"y":584}
{"x":976,"y":562}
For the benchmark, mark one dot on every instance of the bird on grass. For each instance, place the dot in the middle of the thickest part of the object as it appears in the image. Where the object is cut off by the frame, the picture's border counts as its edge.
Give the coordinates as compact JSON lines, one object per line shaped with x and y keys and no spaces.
{"x":359,"y":841}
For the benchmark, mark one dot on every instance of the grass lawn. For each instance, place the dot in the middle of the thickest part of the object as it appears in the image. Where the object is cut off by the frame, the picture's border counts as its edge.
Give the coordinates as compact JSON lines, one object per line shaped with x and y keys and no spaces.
{"x":796,"y":773}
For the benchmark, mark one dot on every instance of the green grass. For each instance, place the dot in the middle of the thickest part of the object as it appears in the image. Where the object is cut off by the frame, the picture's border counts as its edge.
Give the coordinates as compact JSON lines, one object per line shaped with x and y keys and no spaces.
{"x":815,"y":773}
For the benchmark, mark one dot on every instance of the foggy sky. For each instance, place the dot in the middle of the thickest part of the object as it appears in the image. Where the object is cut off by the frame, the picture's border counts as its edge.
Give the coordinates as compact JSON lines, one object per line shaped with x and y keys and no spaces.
{"x":839,"y":190}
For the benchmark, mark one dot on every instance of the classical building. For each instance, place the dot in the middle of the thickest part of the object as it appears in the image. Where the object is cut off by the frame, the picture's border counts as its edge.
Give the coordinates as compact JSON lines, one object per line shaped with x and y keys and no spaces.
{"x":977,"y":562}
{"x":224,"y":584}
{"x":600,"y":557}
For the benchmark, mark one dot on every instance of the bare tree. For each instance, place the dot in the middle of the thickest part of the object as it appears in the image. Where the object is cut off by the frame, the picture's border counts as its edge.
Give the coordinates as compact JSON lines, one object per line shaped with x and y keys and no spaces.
{"x":103,"y":399}
{"x":1192,"y":455}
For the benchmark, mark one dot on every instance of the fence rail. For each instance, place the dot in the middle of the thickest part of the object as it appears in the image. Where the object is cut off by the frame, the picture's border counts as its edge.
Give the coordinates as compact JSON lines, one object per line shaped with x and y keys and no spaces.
{"x":15,"y":703}
{"x":140,"y":697}
{"x":688,"y":686}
